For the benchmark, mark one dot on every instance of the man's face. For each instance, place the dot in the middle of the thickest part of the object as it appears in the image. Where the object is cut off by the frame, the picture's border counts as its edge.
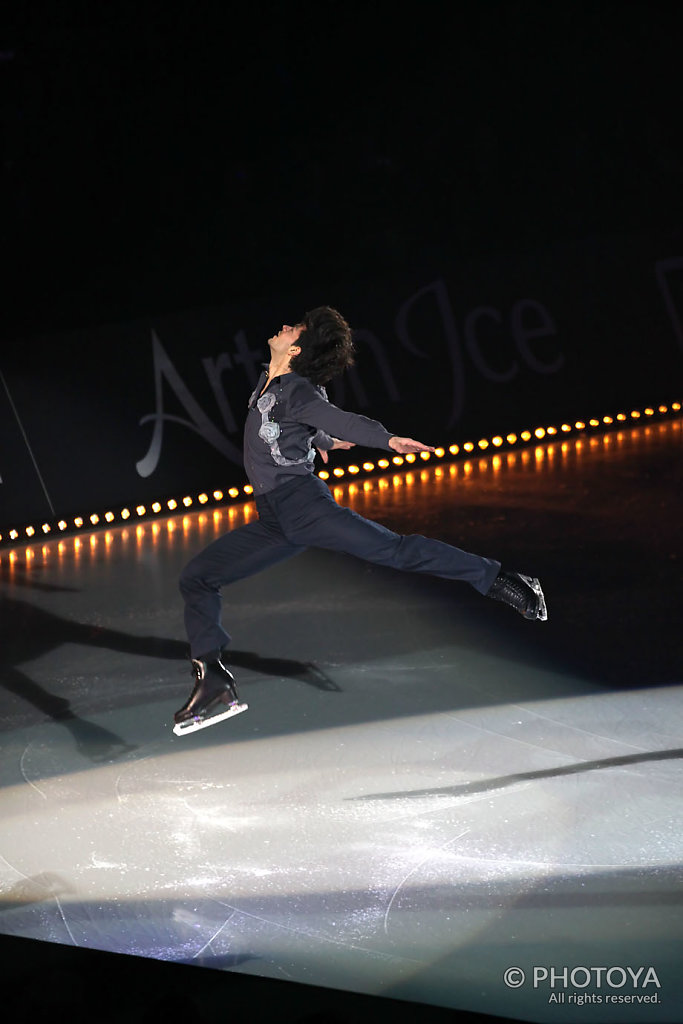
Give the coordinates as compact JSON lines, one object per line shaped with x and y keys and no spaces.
{"x":286,"y":337}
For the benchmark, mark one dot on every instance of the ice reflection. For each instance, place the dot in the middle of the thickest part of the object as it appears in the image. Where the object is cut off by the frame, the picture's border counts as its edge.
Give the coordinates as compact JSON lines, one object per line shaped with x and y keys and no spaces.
{"x":437,"y":471}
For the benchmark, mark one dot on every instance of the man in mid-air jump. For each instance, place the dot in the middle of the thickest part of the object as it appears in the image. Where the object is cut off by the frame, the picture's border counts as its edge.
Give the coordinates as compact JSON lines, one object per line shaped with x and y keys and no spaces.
{"x":288,"y":418}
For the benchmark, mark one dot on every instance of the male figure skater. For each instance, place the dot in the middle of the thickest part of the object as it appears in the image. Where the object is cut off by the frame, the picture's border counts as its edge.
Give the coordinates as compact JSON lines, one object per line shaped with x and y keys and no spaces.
{"x":288,"y":418}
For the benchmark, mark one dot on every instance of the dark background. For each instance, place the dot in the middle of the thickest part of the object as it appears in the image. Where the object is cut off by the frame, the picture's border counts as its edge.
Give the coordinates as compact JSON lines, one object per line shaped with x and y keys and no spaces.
{"x":159,"y":157}
{"x":198,"y":173}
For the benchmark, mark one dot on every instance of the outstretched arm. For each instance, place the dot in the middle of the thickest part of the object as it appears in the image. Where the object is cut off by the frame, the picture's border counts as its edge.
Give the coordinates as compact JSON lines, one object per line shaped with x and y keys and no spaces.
{"x":307,"y":405}
{"x":402,"y":445}
{"x":405,"y":445}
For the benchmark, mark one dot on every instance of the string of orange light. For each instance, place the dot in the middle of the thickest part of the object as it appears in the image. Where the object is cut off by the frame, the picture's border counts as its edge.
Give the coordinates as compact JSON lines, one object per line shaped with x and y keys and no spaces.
{"x":16,"y":535}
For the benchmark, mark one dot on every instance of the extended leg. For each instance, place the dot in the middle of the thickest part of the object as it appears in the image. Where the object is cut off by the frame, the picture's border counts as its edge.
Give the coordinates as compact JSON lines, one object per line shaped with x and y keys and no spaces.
{"x":234,"y":556}
{"x":311,"y":511}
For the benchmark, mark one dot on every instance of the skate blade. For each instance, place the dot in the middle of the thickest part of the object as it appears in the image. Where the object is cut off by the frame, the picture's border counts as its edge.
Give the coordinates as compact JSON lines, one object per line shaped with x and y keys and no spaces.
{"x":183,"y":728}
{"x":536,"y":587}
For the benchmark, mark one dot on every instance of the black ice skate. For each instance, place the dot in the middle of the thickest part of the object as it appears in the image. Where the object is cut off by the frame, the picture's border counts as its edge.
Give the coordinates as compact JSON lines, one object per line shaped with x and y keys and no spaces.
{"x":523,"y":593}
{"x":213,"y":698}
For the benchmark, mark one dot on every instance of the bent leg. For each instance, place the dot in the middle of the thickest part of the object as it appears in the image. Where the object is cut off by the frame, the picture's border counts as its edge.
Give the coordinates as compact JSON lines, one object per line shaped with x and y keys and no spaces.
{"x":311,"y":512}
{"x":234,"y":556}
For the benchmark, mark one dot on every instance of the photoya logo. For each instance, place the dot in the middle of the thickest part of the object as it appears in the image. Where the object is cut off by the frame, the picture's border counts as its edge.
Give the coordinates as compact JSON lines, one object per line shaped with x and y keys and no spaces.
{"x":583,"y":977}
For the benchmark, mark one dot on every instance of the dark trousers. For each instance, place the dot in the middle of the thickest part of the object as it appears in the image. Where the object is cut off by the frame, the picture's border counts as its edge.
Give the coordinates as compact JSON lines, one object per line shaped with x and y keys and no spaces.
{"x":301,"y":514}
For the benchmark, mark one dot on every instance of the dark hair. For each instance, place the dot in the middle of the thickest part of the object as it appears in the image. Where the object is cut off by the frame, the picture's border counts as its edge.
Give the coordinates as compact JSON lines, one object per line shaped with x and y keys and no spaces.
{"x":326,"y":346}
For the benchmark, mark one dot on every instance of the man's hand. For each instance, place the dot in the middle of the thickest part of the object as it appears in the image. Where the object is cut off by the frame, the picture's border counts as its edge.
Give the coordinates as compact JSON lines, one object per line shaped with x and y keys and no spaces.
{"x":404,"y":445}
{"x":337,"y":444}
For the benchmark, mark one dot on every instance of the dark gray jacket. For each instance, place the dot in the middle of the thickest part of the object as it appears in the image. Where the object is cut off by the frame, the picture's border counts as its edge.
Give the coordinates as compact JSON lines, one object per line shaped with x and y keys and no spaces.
{"x":289,"y":421}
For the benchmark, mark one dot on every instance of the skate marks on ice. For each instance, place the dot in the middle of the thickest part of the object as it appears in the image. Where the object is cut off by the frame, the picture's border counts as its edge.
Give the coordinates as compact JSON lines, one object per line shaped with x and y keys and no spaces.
{"x":275,"y":856}
{"x":264,"y":856}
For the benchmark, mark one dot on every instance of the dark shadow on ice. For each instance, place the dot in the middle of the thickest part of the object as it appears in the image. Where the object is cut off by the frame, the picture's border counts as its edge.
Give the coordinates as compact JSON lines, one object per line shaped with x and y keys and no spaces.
{"x":30,"y":632}
{"x":288,"y":668}
{"x":36,"y":889}
{"x":92,"y":741}
{"x":503,"y":781}
{"x":226,"y":962}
